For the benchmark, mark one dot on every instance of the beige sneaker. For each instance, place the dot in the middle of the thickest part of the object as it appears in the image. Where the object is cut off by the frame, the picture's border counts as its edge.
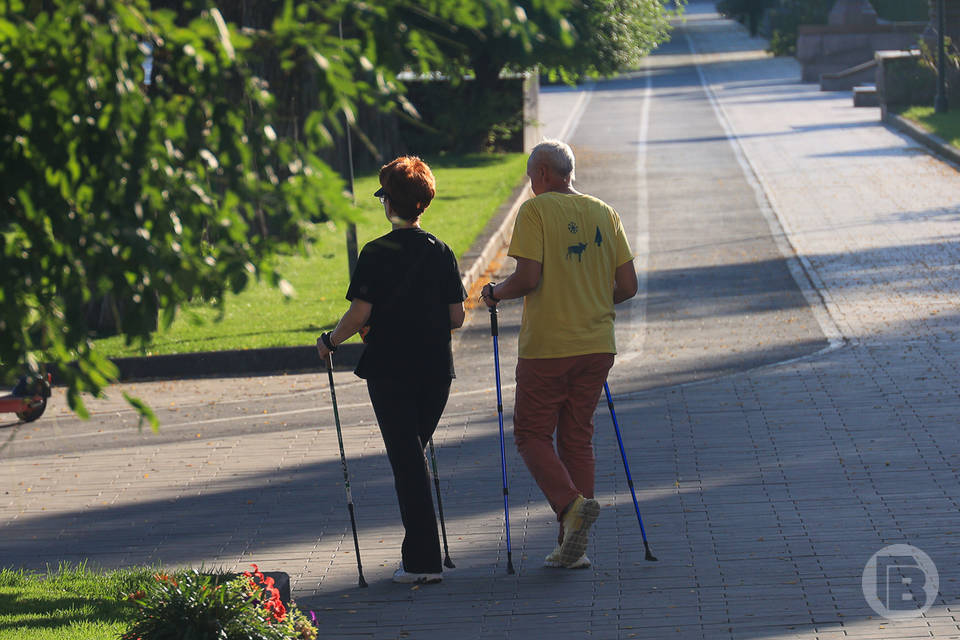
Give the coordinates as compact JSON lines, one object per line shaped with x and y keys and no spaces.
{"x":553,"y":561}
{"x":577,"y":521}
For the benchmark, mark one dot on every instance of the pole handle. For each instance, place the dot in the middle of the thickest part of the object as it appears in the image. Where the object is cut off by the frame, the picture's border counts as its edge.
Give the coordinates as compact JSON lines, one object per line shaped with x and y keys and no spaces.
{"x":494,"y":328}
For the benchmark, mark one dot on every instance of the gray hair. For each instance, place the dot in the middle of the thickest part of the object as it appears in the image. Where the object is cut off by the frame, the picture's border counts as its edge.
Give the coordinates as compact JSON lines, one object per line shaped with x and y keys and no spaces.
{"x":556,"y":154}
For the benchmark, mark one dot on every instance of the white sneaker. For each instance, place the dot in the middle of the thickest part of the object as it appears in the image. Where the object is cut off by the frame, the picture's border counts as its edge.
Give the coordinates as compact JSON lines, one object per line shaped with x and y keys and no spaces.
{"x":404,"y":577}
{"x":553,"y":561}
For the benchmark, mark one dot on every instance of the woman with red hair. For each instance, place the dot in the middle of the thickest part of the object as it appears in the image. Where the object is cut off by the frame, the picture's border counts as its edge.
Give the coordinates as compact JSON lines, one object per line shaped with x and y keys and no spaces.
{"x":406,"y":287}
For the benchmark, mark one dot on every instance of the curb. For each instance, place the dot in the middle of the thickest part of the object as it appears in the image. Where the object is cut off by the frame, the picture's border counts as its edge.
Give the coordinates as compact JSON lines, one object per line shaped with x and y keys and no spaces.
{"x":934,"y":143}
{"x":279,"y":360}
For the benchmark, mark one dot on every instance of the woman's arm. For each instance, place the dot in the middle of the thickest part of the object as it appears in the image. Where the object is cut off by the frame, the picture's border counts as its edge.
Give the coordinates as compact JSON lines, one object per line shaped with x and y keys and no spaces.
{"x":351,"y":322}
{"x":457,"y":314}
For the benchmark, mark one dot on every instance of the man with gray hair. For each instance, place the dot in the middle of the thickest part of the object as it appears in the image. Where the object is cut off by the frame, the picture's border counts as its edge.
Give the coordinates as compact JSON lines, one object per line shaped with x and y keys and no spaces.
{"x":573,"y":265}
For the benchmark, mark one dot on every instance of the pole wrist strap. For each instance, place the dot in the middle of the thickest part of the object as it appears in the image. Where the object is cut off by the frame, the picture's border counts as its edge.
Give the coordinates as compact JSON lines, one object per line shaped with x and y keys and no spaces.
{"x":327,"y":342}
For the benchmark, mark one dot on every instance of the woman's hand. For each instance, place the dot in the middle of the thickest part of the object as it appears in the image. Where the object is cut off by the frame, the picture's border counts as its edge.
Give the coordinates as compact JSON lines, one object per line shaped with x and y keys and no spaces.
{"x":323,"y":349}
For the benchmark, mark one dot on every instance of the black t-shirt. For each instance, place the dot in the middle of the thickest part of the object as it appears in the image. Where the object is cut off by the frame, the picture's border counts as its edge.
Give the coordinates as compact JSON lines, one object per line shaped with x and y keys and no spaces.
{"x":411,"y":278}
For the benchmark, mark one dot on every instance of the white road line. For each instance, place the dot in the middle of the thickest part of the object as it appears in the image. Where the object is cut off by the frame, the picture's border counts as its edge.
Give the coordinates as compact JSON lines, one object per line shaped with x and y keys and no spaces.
{"x":573,"y":120}
{"x":637,"y":308}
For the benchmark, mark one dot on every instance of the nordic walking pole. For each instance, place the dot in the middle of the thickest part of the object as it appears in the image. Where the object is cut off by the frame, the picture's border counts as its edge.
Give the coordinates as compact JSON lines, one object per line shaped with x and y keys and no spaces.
{"x":343,"y":463}
{"x":503,"y":456}
{"x":626,"y":468}
{"x":447,"y":562}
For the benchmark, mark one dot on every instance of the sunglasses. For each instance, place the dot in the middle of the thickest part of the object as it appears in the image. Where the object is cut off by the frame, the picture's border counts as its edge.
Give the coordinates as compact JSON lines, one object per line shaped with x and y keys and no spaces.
{"x":383,"y":195}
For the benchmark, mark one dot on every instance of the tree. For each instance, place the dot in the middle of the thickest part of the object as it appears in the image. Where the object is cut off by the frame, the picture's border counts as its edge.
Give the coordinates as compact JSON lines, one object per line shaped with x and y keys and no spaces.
{"x":568,"y":39}
{"x":749,"y":11}
{"x":148,"y":192}
{"x":155,"y":193}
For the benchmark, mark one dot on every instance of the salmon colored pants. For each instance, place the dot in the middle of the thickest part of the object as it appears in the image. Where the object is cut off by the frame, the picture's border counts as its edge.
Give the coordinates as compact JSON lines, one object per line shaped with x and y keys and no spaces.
{"x":559,"y":395}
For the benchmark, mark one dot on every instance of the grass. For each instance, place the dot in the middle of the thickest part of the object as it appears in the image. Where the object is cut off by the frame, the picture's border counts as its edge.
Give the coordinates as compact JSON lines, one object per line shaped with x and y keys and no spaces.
{"x":945,"y":125}
{"x":470,"y":189}
{"x":71,"y":603}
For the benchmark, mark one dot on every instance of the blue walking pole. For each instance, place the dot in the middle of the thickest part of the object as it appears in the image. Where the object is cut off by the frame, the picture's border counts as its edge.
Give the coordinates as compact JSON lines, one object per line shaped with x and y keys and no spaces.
{"x":626,"y":468}
{"x":503,"y":456}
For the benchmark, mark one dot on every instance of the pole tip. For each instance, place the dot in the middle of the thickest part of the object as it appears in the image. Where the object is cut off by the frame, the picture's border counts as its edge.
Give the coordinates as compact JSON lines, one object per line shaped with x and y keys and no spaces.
{"x":363,"y":583}
{"x":650,"y":557}
{"x":448,"y":563}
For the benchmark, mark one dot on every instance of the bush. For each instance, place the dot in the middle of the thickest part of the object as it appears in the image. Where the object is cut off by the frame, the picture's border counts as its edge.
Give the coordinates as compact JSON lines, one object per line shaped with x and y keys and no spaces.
{"x":495,"y":121}
{"x":913,"y":81}
{"x":902,"y":10}
{"x":747,"y":11}
{"x":787,"y":16}
{"x":195,"y":605}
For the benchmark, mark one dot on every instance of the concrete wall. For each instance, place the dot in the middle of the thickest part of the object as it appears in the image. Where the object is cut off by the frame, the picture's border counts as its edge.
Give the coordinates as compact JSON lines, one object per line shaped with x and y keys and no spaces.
{"x":832,"y":48}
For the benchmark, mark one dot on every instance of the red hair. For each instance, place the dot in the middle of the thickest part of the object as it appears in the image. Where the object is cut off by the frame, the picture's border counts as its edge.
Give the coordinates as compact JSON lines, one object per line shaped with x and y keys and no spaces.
{"x":409,"y":184}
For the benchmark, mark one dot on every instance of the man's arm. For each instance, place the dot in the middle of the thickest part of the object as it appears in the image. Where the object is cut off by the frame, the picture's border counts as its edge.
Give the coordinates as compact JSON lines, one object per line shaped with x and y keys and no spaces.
{"x":522,"y":281}
{"x":624,"y":282}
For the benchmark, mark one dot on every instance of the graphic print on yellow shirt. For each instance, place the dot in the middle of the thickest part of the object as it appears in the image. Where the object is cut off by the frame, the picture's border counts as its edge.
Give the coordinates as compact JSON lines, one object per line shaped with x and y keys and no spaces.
{"x":580,"y":242}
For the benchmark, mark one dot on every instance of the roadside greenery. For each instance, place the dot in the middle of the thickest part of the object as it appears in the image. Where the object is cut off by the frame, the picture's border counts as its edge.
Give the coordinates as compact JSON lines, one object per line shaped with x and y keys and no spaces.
{"x":77,"y":603}
{"x":470,"y":189}
{"x":70,"y":603}
{"x":945,"y":125}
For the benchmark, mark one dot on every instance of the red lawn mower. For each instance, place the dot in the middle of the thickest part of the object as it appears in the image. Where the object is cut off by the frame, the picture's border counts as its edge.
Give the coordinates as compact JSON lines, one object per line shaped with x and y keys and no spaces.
{"x":28,"y":399}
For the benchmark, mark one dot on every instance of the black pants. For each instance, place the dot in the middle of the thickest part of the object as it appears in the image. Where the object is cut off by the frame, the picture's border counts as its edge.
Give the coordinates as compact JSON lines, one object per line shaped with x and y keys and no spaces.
{"x":408,"y":412}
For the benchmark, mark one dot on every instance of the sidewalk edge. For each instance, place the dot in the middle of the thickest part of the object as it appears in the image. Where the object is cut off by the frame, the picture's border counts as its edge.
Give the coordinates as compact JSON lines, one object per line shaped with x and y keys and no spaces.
{"x":937,"y":145}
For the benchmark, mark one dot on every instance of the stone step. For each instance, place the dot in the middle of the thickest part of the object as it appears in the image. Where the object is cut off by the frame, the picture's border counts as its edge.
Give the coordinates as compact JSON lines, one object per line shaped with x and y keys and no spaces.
{"x":866,"y":95}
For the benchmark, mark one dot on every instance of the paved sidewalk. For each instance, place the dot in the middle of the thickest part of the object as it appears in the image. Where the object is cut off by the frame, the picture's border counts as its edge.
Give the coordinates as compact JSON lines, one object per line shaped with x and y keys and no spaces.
{"x":765,"y":485}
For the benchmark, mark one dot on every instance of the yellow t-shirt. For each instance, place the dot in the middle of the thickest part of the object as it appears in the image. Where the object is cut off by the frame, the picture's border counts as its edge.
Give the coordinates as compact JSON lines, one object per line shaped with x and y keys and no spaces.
{"x":580,"y":242}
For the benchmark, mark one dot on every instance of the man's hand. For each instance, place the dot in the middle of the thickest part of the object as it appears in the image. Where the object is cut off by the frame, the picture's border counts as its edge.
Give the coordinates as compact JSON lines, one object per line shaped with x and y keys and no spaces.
{"x":486,"y":294}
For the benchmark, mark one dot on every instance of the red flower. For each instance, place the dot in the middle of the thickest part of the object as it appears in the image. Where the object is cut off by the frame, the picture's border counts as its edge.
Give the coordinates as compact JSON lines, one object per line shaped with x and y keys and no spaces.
{"x":275,"y":607}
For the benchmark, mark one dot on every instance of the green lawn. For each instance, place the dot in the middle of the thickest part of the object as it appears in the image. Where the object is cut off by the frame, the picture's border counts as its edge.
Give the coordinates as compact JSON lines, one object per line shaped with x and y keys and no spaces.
{"x":67,"y":604}
{"x":470,"y":189}
{"x":945,"y":125}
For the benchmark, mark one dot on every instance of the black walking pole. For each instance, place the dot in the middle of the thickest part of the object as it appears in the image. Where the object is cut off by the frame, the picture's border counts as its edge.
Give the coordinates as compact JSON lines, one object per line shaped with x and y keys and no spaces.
{"x":447,"y":562}
{"x":346,"y":475}
{"x":503,"y":456}
{"x":626,"y":467}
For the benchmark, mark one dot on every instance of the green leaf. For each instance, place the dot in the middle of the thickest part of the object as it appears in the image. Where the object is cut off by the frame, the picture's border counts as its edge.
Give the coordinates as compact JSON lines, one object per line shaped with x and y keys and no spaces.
{"x":146,"y":413}
{"x":8,"y":31}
